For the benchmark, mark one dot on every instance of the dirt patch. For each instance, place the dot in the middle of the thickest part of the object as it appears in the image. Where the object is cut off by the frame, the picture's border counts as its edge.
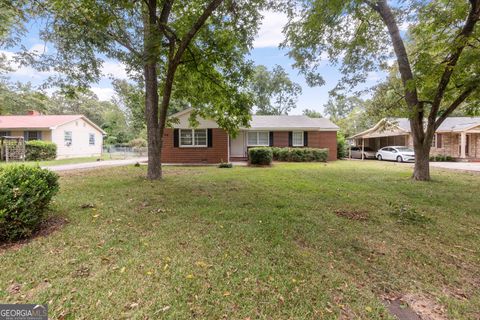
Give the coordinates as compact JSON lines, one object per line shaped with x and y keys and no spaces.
{"x":49,"y":226}
{"x":415,"y":307}
{"x":356,"y":215}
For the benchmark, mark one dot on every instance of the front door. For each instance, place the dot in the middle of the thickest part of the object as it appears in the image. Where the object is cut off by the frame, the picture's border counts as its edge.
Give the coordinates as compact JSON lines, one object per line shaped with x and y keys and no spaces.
{"x":237,"y":146}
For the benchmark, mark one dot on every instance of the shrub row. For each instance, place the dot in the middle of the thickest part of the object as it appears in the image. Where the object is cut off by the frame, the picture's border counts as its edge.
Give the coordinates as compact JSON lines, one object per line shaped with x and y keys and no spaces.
{"x":37,"y":150}
{"x":300,"y":154}
{"x":25,"y":193}
{"x":441,"y":158}
{"x":265,"y":155}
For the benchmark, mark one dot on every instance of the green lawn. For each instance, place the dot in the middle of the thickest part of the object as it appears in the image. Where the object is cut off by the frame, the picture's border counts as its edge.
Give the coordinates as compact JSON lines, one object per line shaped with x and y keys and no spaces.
{"x":295,"y":241}
{"x":65,"y":161}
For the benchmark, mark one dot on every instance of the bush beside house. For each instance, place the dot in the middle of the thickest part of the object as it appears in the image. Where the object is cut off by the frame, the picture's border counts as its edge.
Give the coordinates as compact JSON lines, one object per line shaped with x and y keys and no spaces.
{"x":25,"y":193}
{"x":260,"y":156}
{"x":40,"y":150}
{"x":300,"y":154}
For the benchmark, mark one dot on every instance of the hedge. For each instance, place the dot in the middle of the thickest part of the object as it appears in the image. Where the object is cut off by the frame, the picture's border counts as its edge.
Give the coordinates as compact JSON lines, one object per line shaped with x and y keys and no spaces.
{"x":300,"y":154}
{"x":37,"y":150}
{"x":260,"y":156}
{"x":25,"y":193}
{"x":441,"y":158}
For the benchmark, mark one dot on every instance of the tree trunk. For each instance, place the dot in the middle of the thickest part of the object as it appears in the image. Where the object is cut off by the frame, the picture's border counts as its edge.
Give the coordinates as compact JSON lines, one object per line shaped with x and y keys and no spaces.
{"x":154,"y":170}
{"x":421,"y":171}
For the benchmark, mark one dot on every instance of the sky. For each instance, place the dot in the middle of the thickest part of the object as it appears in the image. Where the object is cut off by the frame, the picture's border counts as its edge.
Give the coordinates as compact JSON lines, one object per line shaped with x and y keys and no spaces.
{"x":266,"y":51}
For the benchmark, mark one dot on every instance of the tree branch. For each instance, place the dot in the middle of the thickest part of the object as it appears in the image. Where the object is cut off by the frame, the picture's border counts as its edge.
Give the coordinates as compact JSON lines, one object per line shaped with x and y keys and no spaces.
{"x":460,"y":99}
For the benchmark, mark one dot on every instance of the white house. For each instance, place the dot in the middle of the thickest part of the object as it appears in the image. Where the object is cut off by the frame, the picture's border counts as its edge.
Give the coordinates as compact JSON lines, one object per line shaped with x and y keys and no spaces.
{"x":75,"y":135}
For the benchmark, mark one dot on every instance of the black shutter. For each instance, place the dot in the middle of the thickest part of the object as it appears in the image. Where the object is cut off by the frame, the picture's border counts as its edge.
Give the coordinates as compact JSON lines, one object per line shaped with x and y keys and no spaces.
{"x":305,"y":138}
{"x":209,"y":138}
{"x":271,"y":139}
{"x":290,"y":138}
{"x":175,"y":138}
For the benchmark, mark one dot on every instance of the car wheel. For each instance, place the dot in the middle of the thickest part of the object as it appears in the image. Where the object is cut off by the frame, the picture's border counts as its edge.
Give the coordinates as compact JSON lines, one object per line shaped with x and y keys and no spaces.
{"x":399,"y":159}
{"x":379,"y":157}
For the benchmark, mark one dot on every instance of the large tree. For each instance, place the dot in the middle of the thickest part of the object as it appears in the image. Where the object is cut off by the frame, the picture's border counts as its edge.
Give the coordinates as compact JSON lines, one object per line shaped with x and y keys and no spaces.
{"x":177,"y":48}
{"x":438,"y":58}
{"x":273,"y":91}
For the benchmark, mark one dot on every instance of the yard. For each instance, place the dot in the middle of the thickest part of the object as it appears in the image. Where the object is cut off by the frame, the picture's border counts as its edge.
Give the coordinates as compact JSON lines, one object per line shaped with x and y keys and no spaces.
{"x":295,"y":241}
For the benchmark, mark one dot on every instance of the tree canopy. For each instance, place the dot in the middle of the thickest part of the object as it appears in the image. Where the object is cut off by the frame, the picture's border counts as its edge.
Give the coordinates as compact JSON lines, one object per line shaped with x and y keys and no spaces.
{"x":273,"y":91}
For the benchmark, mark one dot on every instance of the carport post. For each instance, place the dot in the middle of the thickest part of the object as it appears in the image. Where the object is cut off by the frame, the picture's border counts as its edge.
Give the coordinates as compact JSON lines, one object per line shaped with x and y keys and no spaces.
{"x":363,"y":148}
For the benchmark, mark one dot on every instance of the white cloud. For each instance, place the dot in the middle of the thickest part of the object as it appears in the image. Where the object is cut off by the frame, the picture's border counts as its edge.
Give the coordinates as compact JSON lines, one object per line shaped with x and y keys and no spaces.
{"x":39,"y":48}
{"x":114,"y":69}
{"x":103,"y":94}
{"x":270,"y":33}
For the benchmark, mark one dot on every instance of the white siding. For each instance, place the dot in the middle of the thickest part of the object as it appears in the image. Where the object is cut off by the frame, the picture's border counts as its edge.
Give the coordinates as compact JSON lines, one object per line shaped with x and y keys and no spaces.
{"x":80,"y":146}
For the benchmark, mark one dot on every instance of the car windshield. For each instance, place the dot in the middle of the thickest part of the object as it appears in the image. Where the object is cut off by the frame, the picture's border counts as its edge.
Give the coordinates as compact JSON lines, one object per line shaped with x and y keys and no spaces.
{"x":404,"y":149}
{"x":368,"y":149}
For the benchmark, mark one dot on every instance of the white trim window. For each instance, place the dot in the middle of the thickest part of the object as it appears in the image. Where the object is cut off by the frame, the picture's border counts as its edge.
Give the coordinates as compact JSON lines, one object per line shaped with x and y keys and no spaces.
{"x":434,"y":141}
{"x":193,"y":137}
{"x":4,"y":133}
{"x":91,"y":139}
{"x":67,"y":138}
{"x":297,"y":138}
{"x":258,"y":138}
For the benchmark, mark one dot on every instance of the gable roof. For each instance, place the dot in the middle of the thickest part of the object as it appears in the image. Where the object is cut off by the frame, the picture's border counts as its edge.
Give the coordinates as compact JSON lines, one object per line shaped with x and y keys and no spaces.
{"x":41,"y":121}
{"x":451,"y":124}
{"x":283,"y":122}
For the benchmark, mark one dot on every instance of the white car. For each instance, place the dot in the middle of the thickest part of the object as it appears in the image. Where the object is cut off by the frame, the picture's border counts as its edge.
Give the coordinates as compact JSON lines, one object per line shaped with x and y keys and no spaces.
{"x":396,"y":153}
{"x":356,"y":153}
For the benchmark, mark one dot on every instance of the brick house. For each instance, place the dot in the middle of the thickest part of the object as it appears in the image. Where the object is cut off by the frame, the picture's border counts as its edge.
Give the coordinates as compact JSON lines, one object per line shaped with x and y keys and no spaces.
{"x":458,"y":137}
{"x":208,"y":143}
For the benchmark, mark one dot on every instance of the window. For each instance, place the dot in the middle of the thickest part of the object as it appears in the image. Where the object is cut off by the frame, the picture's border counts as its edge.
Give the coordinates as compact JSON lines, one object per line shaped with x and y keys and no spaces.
{"x":91,"y":139}
{"x":193,"y":137}
{"x":434,"y":141}
{"x":4,"y":133}
{"x":67,"y":138}
{"x":32,"y":135}
{"x":297,"y":138}
{"x":258,"y":138}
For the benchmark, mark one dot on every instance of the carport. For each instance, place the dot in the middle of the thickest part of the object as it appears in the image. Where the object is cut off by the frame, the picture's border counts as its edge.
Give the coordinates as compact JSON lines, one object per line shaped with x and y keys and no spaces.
{"x":384,"y":133}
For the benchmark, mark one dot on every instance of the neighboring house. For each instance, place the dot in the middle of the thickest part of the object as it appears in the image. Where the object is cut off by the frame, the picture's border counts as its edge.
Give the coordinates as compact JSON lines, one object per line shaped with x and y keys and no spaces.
{"x":208,"y":143}
{"x":458,"y":137}
{"x":74,"y":135}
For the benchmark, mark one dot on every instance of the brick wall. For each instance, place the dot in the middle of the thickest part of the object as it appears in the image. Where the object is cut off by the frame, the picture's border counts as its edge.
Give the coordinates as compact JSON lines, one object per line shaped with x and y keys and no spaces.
{"x":216,"y":154}
{"x":280,"y":139}
{"x":324,"y":139}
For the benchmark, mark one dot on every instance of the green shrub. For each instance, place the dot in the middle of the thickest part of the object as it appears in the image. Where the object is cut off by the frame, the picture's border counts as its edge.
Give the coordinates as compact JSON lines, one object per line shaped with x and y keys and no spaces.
{"x":25,"y":193}
{"x":300,"y":154}
{"x":38,"y":150}
{"x":225,"y":165}
{"x":441,"y":158}
{"x":342,"y":148}
{"x":260,"y":156}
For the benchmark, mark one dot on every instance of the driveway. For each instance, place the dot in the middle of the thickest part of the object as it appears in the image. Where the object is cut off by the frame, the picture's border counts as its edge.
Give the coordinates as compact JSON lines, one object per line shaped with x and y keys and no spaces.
{"x":96,"y":164}
{"x":464,"y":166}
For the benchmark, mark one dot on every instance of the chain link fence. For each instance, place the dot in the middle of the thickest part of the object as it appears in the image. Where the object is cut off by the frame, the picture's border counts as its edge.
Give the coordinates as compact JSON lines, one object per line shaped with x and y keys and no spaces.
{"x":121,"y":152}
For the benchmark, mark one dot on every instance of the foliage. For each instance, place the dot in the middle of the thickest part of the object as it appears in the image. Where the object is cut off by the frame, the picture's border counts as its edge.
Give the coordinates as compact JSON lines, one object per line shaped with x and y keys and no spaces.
{"x":438,"y":58}
{"x":342,"y":146}
{"x":137,"y":143}
{"x":441,"y":158}
{"x":25,"y":193}
{"x":300,"y":154}
{"x":225,"y":165}
{"x":274,"y":93}
{"x":312,"y":113}
{"x":18,"y":99}
{"x":38,"y":150}
{"x":191,"y":51}
{"x":349,"y":113}
{"x":260,"y":156}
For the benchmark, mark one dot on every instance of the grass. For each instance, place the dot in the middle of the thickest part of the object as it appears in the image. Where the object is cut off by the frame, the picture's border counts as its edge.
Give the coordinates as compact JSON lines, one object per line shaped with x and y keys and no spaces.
{"x":253,"y":243}
{"x":65,"y":161}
